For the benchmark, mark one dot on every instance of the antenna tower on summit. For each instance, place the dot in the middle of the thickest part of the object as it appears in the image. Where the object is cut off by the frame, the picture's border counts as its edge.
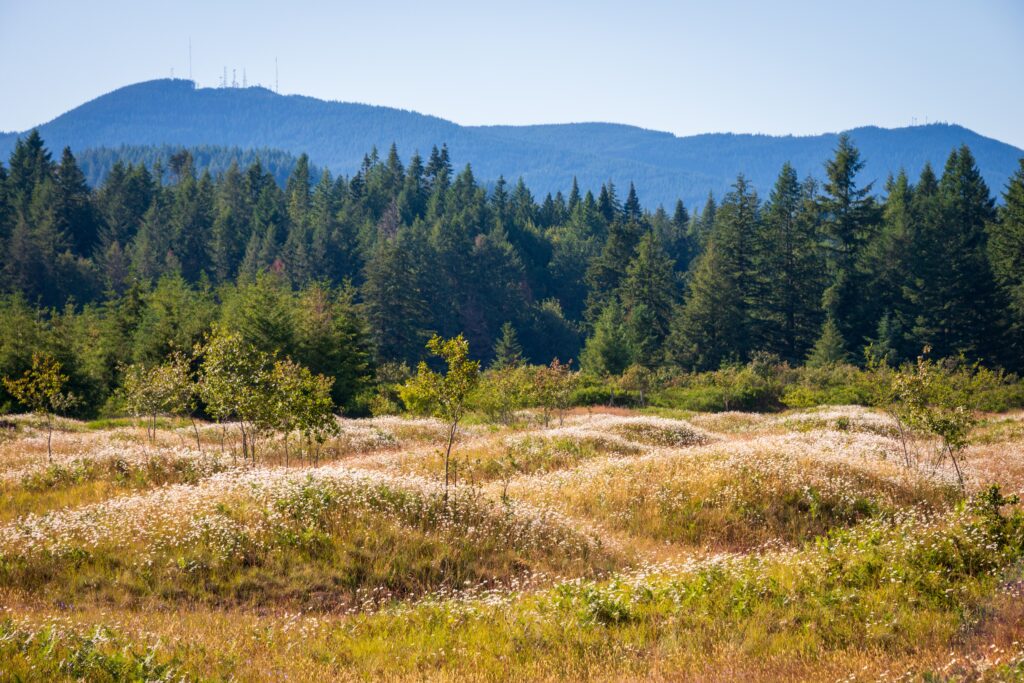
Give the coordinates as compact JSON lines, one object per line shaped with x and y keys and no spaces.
{"x":277,"y":87}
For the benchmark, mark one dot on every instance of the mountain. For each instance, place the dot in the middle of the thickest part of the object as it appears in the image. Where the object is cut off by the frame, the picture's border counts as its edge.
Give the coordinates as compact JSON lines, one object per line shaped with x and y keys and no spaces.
{"x":336,"y":135}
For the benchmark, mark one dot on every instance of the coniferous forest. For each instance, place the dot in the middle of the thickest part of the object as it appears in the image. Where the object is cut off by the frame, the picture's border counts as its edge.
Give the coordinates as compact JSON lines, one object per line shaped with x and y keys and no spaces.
{"x":354,"y":274}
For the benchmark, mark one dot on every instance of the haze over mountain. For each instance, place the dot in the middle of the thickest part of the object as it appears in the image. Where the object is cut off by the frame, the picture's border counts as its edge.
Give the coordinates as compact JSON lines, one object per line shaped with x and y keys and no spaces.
{"x":337,"y":135}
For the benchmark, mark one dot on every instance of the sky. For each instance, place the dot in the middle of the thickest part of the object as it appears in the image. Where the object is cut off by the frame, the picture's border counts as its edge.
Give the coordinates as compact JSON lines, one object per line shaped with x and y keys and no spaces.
{"x":775,"y":66}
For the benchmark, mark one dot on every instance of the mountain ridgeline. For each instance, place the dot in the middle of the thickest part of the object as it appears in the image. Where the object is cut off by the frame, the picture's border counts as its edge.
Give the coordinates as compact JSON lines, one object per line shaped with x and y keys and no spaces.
{"x":337,"y":135}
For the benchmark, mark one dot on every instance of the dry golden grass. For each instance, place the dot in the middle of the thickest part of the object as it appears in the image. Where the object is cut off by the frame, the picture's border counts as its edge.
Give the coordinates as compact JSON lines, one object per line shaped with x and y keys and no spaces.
{"x":588,"y":550}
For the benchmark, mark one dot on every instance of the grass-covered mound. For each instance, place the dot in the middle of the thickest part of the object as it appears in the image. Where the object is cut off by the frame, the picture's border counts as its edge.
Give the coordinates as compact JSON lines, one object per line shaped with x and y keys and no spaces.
{"x":885,"y":588}
{"x":334,"y":540}
{"x":739,"y":495}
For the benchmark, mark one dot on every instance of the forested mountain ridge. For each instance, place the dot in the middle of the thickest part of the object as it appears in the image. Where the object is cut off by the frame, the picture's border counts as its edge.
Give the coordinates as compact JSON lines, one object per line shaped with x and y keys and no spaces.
{"x":342,"y":274}
{"x":97,"y":162}
{"x":337,"y":135}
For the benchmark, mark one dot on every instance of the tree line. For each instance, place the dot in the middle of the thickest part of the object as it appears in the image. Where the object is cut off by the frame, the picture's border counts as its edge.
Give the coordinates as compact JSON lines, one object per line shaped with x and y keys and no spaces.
{"x":349,"y":275}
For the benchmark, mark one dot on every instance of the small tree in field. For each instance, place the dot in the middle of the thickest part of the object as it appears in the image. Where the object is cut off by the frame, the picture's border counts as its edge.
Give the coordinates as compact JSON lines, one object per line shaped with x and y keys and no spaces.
{"x":502,"y":391}
{"x":934,"y":398}
{"x":142,"y":397}
{"x":181,"y":390}
{"x":639,"y":379}
{"x":930,"y":401}
{"x":235,"y":383}
{"x":444,"y":395}
{"x":41,"y":390}
{"x":168,"y":388}
{"x":552,"y":388}
{"x":302,"y":402}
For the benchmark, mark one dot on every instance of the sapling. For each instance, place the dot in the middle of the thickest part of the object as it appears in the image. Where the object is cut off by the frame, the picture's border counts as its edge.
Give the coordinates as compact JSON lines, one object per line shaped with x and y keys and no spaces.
{"x":444,"y":395}
{"x":41,"y":390}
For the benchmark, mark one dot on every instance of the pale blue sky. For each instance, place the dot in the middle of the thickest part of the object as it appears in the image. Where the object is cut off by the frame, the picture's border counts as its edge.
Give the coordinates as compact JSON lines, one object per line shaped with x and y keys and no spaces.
{"x":687,"y":67}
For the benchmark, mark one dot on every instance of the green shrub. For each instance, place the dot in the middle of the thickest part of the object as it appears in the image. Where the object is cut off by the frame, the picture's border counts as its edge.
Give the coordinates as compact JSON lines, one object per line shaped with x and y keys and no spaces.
{"x":604,"y":395}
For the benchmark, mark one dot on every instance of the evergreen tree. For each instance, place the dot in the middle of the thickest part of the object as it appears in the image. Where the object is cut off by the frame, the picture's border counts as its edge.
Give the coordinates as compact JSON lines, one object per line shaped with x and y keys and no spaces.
{"x":399,"y":288}
{"x":607,"y":350}
{"x":191,"y":219}
{"x":229,"y":233}
{"x":887,"y":262}
{"x":608,"y":204}
{"x":606,"y":272}
{"x":648,"y":298}
{"x":1006,"y":254}
{"x":30,"y":165}
{"x":888,"y":341}
{"x":495,"y":291}
{"x":175,"y":316}
{"x":122,"y":201}
{"x":508,"y":352}
{"x":702,"y":224}
{"x":954,"y":290}
{"x":75,"y":212}
{"x":333,"y":339}
{"x":830,"y":348}
{"x":412,"y":201}
{"x":789,"y":287}
{"x":849,"y":219}
{"x":709,"y":325}
{"x":263,"y":311}
{"x":676,"y":238}
{"x":714,"y":323}
{"x":151,"y":246}
{"x":574,"y":195}
{"x":631,"y":209}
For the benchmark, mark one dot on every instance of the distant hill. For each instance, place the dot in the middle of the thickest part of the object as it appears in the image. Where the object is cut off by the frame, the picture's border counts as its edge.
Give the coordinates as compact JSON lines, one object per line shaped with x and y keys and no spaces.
{"x":336,"y":135}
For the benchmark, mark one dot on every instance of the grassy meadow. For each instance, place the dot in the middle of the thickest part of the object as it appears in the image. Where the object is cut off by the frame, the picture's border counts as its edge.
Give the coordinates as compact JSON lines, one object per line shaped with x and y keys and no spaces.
{"x":612,"y":544}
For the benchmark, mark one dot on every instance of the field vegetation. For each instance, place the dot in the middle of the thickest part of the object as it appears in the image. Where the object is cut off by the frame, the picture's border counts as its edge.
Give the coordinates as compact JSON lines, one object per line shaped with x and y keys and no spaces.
{"x":568,"y":543}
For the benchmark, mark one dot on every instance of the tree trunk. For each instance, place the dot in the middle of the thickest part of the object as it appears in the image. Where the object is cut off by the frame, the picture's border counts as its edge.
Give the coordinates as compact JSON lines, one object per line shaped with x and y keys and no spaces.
{"x":956,"y":466}
{"x":49,"y":437}
{"x":195,"y":428}
{"x":447,"y":458}
{"x":245,"y":442}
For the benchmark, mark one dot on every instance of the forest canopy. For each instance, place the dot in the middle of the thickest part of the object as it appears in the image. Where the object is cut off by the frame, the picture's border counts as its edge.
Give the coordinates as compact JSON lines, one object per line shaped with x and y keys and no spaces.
{"x":348,"y":274}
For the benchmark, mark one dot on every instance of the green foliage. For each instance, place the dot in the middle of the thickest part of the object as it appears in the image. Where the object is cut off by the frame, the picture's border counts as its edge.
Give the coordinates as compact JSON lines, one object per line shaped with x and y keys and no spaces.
{"x":508,"y":352}
{"x":503,"y":389}
{"x":608,"y":351}
{"x":42,"y":390}
{"x":638,"y":379}
{"x":714,"y":324}
{"x":57,"y":653}
{"x":235,"y":383}
{"x":758,"y":385}
{"x":648,"y":296}
{"x":552,"y":389}
{"x":341,"y":274}
{"x":830,"y":349}
{"x":953,"y":289}
{"x":445,"y":395}
{"x":386,"y":399}
{"x":1006,"y":253}
{"x":935,"y":399}
{"x":302,"y":403}
{"x":835,"y":384}
{"x":165,"y":389}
